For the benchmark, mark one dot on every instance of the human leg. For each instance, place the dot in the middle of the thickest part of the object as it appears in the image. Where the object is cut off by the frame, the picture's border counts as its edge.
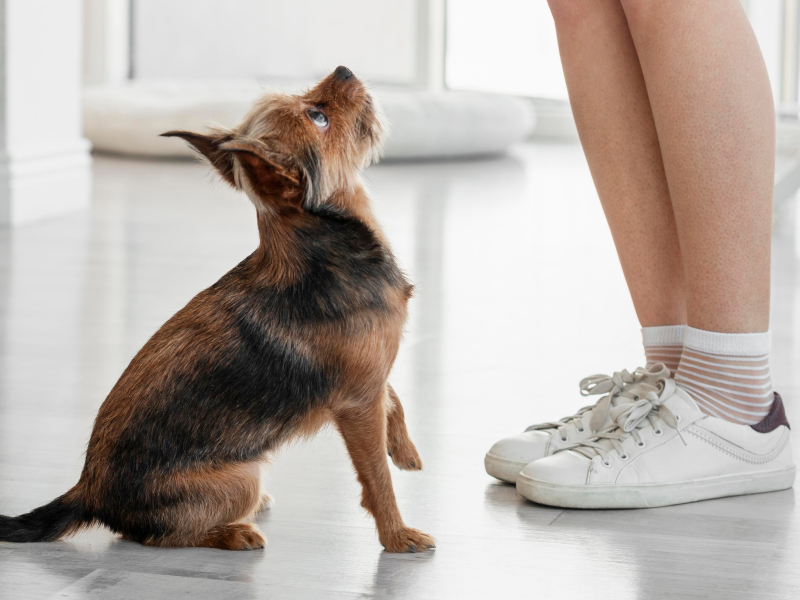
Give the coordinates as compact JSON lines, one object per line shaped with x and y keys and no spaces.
{"x":713,"y":112}
{"x":716,"y":429}
{"x":615,"y":123}
{"x":612,"y":111}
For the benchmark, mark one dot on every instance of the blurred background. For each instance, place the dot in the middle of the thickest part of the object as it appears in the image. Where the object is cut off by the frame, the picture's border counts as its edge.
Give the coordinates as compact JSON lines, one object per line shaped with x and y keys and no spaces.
{"x":106,"y":230}
{"x":122,"y":71}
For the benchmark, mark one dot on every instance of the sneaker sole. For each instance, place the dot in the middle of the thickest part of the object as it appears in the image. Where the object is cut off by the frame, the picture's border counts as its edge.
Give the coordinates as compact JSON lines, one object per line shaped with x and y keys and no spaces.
{"x":502,"y":468}
{"x":649,"y":496}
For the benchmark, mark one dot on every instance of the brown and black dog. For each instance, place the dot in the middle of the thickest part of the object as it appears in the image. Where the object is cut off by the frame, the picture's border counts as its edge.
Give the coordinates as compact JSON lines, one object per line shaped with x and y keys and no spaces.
{"x":301,"y":333}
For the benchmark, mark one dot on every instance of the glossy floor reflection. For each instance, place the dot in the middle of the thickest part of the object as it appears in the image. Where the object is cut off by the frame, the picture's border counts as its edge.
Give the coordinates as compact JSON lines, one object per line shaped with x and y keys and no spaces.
{"x":519,"y":296}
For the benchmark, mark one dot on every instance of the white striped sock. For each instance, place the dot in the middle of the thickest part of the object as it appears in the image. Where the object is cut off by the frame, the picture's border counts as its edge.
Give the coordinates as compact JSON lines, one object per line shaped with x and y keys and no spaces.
{"x":727,"y":374}
{"x":663,"y":344}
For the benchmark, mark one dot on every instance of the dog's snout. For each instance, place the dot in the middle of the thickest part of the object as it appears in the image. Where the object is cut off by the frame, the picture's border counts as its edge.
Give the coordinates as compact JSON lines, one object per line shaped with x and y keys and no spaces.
{"x":343,"y":73}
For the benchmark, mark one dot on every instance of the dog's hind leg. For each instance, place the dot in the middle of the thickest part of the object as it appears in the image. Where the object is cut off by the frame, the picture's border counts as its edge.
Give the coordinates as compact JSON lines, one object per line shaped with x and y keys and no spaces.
{"x":402,"y":450}
{"x":207,"y":507}
{"x":363,"y":428}
{"x":266,"y":502}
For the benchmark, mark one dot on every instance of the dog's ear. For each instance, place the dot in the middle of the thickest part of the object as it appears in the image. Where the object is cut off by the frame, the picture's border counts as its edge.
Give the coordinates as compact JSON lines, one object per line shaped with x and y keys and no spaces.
{"x":209,"y":145}
{"x":267,"y":178}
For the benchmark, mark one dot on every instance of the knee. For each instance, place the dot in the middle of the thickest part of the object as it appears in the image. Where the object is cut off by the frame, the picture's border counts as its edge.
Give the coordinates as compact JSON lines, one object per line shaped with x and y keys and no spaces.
{"x":569,"y":13}
{"x":639,"y":12}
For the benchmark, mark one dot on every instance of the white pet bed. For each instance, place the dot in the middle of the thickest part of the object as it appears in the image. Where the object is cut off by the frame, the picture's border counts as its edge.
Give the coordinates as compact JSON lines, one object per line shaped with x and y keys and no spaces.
{"x":128,"y":118}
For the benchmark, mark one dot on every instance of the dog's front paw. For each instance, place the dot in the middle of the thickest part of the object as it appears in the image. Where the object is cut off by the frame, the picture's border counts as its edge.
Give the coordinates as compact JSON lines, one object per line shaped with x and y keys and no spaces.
{"x":408,"y":540}
{"x":405,"y":455}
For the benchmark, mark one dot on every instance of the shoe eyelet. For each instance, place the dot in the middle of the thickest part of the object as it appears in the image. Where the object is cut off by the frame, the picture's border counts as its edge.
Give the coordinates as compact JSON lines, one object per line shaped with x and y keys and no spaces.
{"x":678,"y":418}
{"x":623,"y":456}
{"x":563,"y":439}
{"x":658,"y":432}
{"x":605,"y":464}
{"x":641,"y":444}
{"x":581,"y":430}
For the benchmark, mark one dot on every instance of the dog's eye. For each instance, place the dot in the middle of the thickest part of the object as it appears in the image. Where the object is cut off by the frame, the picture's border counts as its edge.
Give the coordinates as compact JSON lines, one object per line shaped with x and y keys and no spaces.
{"x":319,"y":118}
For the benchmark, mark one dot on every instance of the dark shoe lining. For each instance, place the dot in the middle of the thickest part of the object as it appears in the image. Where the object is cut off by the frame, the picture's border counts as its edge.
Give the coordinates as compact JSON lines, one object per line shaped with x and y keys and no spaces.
{"x":775,"y":418}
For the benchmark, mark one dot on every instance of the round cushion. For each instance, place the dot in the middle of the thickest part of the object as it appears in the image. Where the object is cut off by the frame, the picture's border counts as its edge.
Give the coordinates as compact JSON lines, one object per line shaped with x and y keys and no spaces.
{"x":128,"y":118}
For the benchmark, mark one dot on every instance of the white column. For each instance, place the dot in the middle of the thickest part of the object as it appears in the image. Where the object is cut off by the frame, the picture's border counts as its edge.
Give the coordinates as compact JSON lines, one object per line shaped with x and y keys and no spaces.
{"x":106,"y":41}
{"x":431,"y":25}
{"x":45,"y":166}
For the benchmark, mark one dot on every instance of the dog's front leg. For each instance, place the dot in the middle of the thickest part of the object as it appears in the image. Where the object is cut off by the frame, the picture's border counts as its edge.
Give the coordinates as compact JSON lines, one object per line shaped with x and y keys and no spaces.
{"x":402,"y":450}
{"x":363,"y":428}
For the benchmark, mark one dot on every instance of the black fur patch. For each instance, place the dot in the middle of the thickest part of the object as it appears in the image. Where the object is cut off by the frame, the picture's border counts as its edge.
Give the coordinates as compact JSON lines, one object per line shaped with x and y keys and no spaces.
{"x":46,"y":523}
{"x":346,"y":271}
{"x":311,"y":166}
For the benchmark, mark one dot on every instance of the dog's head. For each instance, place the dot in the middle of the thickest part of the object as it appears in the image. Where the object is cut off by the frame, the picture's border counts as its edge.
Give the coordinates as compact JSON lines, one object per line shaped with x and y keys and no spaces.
{"x":298,"y":149}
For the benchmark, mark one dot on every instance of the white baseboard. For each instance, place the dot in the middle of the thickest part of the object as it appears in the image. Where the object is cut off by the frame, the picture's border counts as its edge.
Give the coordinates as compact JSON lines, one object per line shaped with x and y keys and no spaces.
{"x":43,"y":185}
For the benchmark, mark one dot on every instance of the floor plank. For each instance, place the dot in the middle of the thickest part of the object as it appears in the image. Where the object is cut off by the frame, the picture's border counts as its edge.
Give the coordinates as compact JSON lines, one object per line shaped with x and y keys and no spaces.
{"x":502,"y":328}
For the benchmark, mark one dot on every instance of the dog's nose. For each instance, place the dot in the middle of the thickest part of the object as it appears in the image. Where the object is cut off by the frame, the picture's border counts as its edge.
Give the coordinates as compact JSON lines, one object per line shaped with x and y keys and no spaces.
{"x":343,"y":73}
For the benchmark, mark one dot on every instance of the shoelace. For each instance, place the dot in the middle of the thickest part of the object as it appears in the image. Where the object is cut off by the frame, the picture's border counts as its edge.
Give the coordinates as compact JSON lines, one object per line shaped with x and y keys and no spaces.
{"x":613,"y":386}
{"x":629,"y":419}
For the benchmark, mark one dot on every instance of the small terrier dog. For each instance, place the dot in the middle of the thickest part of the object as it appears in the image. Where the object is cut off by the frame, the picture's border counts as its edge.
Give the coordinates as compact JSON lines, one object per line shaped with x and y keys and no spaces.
{"x":302,"y":332}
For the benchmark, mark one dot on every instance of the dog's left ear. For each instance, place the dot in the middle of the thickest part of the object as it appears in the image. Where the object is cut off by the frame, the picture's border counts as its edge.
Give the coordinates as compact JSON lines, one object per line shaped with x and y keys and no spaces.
{"x":267,"y":178}
{"x":209,"y":145}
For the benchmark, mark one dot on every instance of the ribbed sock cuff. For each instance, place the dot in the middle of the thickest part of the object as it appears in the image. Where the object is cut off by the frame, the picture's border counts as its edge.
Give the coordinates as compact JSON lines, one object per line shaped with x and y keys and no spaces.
{"x":664,"y":335}
{"x":727,"y":344}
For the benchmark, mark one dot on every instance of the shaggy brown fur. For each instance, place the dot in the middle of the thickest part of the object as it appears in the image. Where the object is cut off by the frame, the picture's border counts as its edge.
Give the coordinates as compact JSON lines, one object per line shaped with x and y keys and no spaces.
{"x":301,"y":333}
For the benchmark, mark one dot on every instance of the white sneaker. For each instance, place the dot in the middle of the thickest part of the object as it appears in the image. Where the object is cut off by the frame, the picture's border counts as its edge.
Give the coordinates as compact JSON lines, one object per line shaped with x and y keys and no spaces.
{"x":509,"y":456}
{"x":665,"y":451}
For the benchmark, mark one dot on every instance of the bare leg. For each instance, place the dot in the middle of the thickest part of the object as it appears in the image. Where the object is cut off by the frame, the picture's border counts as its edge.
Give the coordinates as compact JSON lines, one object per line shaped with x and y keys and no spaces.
{"x":364,"y":432}
{"x":400,"y":447}
{"x":713,"y":111}
{"x":615,"y":123}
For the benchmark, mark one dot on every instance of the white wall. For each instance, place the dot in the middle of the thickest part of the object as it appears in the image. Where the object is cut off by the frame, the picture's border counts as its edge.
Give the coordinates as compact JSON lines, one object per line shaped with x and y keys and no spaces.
{"x":766,"y":18}
{"x":44,"y":160}
{"x":297,"y":39}
{"x":509,"y":47}
{"x":42,"y":92}
{"x":305,"y":39}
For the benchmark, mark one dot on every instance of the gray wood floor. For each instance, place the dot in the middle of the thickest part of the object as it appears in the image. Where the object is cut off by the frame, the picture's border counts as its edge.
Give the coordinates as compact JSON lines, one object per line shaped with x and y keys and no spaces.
{"x":519,"y":296}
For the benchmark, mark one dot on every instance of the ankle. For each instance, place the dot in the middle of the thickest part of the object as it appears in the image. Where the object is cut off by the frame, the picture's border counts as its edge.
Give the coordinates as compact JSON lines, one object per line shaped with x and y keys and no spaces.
{"x":663,"y":344}
{"x":727,"y":374}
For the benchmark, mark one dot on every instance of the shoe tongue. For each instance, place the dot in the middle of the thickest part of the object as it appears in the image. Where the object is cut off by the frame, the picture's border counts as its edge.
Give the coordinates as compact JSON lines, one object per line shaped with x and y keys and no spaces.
{"x":685,"y":398}
{"x":637,"y":389}
{"x":647,"y":382}
{"x":632,"y":391}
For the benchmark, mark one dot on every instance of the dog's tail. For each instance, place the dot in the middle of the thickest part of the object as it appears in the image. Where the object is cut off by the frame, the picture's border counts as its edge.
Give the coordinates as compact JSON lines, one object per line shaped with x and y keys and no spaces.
{"x":63,"y":516}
